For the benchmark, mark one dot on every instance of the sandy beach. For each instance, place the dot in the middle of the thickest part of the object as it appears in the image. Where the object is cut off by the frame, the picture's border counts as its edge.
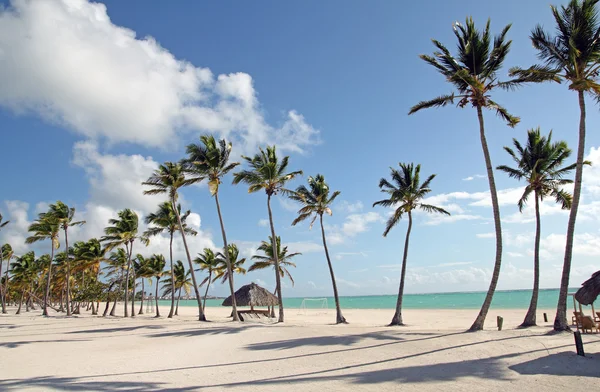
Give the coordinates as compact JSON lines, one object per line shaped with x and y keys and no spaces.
{"x":432,"y":353}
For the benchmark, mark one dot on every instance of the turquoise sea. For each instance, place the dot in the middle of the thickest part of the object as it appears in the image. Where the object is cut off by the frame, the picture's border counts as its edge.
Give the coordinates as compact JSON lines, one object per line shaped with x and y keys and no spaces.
{"x":511,"y":299}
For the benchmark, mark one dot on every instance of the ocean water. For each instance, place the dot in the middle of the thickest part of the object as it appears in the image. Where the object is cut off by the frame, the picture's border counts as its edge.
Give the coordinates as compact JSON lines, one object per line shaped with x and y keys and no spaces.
{"x":510,"y":299}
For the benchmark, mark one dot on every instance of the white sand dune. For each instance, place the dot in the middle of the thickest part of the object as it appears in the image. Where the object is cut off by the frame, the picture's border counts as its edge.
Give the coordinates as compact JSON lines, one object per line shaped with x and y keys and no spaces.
{"x":432,"y":353}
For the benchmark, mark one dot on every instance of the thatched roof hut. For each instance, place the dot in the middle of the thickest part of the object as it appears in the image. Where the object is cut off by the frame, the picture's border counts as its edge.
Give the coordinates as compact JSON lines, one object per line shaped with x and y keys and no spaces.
{"x":589,"y":290}
{"x":252,"y":295}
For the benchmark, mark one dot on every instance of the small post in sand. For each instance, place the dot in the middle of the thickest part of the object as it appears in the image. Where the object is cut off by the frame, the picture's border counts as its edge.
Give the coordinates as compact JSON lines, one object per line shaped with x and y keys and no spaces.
{"x":579,"y":343}
{"x":499,"y":321}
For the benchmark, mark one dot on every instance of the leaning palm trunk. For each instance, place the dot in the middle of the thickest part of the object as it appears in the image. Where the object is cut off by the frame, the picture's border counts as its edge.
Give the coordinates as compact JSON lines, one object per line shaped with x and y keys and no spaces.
{"x":47,"y":293}
{"x":142,"y":302}
{"x":397,"y":319}
{"x":6,"y":281}
{"x":560,"y":321}
{"x":227,"y":261}
{"x":276,"y":258}
{"x":133,"y":295}
{"x":530,"y":317}
{"x":2,"y":291}
{"x":156,"y":298}
{"x":21,"y":302}
{"x":178,"y":298}
{"x":68,"y":273}
{"x":112,"y":311}
{"x":339,"y":318}
{"x":172,"y":277}
{"x":480,"y":320}
{"x":201,"y":316}
{"x":130,"y":251}
{"x":207,"y":287}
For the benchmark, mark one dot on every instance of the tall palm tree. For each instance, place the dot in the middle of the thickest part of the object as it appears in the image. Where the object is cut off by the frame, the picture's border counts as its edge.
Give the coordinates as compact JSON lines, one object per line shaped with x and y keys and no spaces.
{"x":183,"y":281}
{"x":124,"y":231}
{"x":143,"y":271}
{"x":473,"y":73}
{"x":237,"y":265}
{"x":571,"y":55}
{"x":157,"y":264}
{"x":46,"y":227}
{"x":116,"y":266}
{"x":540,"y":163}
{"x":91,"y":254}
{"x":268,"y":259}
{"x":65,"y":214}
{"x":207,"y":261}
{"x":315,"y":202}
{"x":211,"y":161}
{"x":169,"y":178}
{"x":165,"y":219}
{"x":268,"y":173}
{"x":406,"y":193}
{"x":6,"y":253}
{"x":2,"y":290}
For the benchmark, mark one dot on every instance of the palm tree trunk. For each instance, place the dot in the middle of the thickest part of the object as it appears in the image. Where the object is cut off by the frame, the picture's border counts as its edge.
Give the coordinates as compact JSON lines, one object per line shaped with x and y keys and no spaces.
{"x":112,"y":311}
{"x":133,"y":293}
{"x":178,"y":298}
{"x":6,"y":279}
{"x":201,"y":316}
{"x":142,"y":302}
{"x":129,"y":251}
{"x":156,"y":297}
{"x":206,"y":292}
{"x":227,"y":261}
{"x":276,"y":257}
{"x":480,"y":320}
{"x":2,"y":291}
{"x":530,"y":317}
{"x":339,"y":318}
{"x":397,"y":319}
{"x":68,"y":273}
{"x":172,"y":278}
{"x":47,"y":293}
{"x":21,"y":302}
{"x":560,"y":321}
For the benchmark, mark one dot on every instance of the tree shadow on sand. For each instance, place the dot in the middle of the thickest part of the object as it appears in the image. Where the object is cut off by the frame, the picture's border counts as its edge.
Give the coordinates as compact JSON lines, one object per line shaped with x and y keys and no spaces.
{"x":565,"y":363}
{"x":321,"y":341}
{"x":203,"y":331}
{"x":118,"y":329}
{"x":75,"y":384}
{"x":25,"y":342}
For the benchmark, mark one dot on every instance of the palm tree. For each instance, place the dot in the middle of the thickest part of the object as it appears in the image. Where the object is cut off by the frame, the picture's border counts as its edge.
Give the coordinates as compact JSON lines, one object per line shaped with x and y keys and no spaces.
{"x":142,"y":271}
{"x":316,"y":202}
{"x":268,"y":259}
{"x":65,"y":214}
{"x":222,"y":271}
{"x":183,"y":281}
{"x":268,"y":173}
{"x":124,"y":231}
{"x":91,"y":254}
{"x":540,"y":163}
{"x":572,"y":55}
{"x":207,"y":261}
{"x":116,"y":265}
{"x":406,"y":193}
{"x":165,"y":219}
{"x":22,"y":271}
{"x":211,"y":161}
{"x":156,"y":264}
{"x":46,"y":227}
{"x":2,"y":290}
{"x":473,"y":73}
{"x":6,"y":253}
{"x":169,"y":178}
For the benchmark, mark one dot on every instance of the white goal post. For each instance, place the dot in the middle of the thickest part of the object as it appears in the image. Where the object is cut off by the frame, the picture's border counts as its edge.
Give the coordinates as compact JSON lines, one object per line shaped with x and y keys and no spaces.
{"x":314,"y":303}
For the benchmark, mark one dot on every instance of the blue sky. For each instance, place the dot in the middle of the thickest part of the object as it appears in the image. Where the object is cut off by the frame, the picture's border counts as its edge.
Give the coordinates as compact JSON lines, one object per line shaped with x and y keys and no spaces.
{"x":94,"y":96}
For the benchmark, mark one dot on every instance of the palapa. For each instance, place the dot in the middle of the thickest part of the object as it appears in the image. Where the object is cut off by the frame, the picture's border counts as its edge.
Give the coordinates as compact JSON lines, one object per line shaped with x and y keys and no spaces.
{"x":589,"y":290}
{"x":252,"y":295}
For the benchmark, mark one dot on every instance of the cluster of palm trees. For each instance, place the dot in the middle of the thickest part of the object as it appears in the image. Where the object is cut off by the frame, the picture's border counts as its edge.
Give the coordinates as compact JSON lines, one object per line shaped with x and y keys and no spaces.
{"x":571,"y":55}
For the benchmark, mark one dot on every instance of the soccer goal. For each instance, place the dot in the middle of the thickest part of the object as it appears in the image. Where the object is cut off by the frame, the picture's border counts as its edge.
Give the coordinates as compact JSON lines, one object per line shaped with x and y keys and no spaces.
{"x":314,"y":303}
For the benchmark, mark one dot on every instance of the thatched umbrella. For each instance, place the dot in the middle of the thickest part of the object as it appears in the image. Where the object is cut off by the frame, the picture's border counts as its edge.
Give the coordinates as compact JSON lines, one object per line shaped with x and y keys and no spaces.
{"x":252,"y":295}
{"x":589,"y":290}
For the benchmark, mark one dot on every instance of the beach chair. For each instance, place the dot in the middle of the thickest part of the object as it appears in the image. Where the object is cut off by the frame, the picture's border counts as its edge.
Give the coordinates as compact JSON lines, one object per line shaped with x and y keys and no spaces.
{"x":575,"y":320}
{"x":597,"y":317}
{"x":588,"y":324}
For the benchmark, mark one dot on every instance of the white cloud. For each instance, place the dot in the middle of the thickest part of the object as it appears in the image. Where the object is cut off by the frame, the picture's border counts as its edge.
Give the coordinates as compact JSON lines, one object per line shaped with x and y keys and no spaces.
{"x":454,"y":264}
{"x":341,"y":255}
{"x":353,"y":225}
{"x":486,"y":235}
{"x":15,"y":232}
{"x":350,"y":208}
{"x":260,"y":282}
{"x":303,"y":247}
{"x":263,"y":222}
{"x":471,"y":178}
{"x":514,"y":254}
{"x":438,"y":219}
{"x":102,"y":81}
{"x":288,"y":204}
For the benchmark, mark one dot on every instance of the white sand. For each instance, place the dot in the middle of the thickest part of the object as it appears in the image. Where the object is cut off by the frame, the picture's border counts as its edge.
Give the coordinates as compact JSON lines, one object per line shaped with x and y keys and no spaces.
{"x":432,"y":353}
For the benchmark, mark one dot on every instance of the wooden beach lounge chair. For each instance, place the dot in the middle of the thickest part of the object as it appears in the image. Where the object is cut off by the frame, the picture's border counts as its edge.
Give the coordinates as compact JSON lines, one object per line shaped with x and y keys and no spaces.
{"x":575,"y":319}
{"x":588,"y":324}
{"x":597,"y":317}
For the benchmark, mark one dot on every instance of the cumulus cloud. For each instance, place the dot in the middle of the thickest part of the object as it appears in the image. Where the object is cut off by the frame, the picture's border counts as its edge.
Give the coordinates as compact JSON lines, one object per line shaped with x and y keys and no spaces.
{"x":471,"y":178}
{"x":263,"y":222}
{"x":102,"y":81}
{"x":350,"y":208}
{"x":353,"y":225}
